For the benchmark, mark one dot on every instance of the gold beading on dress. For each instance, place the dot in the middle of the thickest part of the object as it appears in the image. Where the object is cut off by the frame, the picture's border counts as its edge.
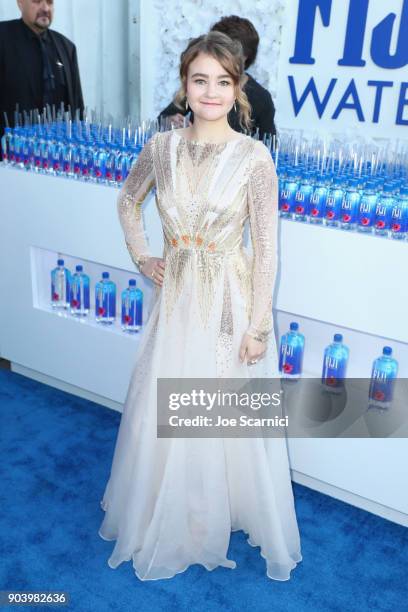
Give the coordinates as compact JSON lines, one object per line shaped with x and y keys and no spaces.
{"x":191,"y":192}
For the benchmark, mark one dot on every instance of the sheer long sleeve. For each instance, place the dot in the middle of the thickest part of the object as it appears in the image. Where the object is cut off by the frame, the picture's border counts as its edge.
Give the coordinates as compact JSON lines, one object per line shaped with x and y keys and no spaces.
{"x":139,"y":182}
{"x":263,"y":218}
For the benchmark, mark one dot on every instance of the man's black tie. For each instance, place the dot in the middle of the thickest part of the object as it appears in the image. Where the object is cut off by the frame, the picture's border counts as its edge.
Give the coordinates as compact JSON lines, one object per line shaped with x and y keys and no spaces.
{"x":48,"y":73}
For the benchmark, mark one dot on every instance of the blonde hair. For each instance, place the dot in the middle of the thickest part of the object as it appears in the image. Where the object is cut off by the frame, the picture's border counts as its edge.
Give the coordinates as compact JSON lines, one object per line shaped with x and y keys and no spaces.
{"x":229,"y":54}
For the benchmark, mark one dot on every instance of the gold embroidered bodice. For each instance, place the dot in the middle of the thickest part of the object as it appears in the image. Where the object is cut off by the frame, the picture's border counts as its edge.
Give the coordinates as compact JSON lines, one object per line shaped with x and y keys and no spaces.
{"x":204,"y":193}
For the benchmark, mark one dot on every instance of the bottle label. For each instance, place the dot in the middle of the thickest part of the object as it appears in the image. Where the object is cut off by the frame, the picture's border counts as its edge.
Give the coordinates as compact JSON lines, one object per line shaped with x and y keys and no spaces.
{"x":318,"y":202}
{"x":382,"y":217}
{"x":366,"y":212}
{"x":399,"y":221}
{"x":105,"y":303}
{"x":132,"y":311}
{"x":381,"y":386}
{"x":287,"y":198}
{"x":290,"y":359}
{"x":79,"y":297}
{"x":334,"y":371}
{"x":302,"y":200}
{"x":333,"y":205}
{"x":349,"y":208}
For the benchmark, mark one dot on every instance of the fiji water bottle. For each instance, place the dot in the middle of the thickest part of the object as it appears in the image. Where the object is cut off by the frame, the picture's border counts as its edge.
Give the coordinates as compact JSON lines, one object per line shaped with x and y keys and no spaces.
{"x":28,"y":150}
{"x":287,"y":195}
{"x":67,"y":160}
{"x":18,"y":147}
{"x":121,"y":165}
{"x":79,"y":294}
{"x":302,"y":198}
{"x":45,"y":153}
{"x":333,"y":203}
{"x":87,"y":160}
{"x":335,"y":360}
{"x":37,"y":152}
{"x":291,"y":352}
{"x":318,"y":200}
{"x":399,"y":216}
{"x":350,"y":206}
{"x":105,"y":300}
{"x":83,"y":155}
{"x":383,"y":375}
{"x":99,"y":173}
{"x":56,"y":155}
{"x":91,"y":160}
{"x":366,"y":211}
{"x":11,"y":156}
{"x":132,"y":307}
{"x":76,"y":158}
{"x":110,"y":163}
{"x":382,"y":217}
{"x":5,"y":145}
{"x":60,"y":286}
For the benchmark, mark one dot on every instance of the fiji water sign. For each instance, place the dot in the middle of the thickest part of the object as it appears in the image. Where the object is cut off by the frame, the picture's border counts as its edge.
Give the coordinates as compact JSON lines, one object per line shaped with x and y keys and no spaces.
{"x":343,"y":64}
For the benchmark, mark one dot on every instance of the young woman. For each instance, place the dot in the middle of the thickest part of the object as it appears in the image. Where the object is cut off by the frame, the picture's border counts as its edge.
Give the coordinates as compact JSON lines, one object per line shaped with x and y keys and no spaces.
{"x":262,"y":107}
{"x":173,"y":502}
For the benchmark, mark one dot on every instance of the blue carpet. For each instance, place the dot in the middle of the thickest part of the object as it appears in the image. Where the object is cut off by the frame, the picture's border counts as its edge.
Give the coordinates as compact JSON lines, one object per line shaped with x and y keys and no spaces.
{"x":56,"y":452}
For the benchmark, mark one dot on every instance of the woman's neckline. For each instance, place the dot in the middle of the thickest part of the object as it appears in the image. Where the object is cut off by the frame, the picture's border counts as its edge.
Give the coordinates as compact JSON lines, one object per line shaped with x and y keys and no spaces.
{"x":206,"y":143}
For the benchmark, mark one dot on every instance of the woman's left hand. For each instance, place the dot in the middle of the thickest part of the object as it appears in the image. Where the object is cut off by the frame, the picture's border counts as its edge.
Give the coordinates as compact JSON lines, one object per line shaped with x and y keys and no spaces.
{"x":251,"y":349}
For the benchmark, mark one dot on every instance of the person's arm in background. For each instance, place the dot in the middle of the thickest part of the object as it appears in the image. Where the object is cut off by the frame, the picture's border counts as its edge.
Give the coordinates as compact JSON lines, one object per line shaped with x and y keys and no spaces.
{"x":76,"y":82}
{"x":174,"y":113}
{"x":266,"y":116}
{"x":2,"y":89}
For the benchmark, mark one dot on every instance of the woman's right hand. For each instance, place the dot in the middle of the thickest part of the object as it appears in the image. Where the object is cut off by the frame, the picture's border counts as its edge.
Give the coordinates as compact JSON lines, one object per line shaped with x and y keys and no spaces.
{"x":153,"y":268}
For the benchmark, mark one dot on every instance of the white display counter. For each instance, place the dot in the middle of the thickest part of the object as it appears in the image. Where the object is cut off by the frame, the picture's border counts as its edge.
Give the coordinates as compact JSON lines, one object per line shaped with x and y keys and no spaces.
{"x":329,"y":281}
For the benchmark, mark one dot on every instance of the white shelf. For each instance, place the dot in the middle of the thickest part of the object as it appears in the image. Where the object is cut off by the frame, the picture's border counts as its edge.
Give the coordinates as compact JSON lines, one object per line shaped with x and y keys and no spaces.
{"x":328,"y":281}
{"x":44,"y":260}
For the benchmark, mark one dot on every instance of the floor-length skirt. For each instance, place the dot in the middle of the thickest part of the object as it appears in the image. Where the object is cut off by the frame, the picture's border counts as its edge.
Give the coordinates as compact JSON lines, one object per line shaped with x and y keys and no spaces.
{"x":173,"y":502}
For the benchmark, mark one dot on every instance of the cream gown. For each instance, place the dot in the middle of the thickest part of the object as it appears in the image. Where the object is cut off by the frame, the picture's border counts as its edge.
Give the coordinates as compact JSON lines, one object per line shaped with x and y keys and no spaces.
{"x":173,"y":502}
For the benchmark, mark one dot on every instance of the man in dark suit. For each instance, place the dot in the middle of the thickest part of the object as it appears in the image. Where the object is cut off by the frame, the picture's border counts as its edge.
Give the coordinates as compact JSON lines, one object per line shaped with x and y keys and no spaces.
{"x":263,"y":110}
{"x":38,"y":66}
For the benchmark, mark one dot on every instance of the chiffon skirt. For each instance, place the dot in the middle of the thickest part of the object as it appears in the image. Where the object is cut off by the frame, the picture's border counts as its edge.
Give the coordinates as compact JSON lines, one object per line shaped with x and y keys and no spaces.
{"x":173,"y":502}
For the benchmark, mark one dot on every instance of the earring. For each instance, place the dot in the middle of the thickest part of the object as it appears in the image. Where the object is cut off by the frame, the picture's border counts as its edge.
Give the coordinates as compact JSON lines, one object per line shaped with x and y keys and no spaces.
{"x":235,"y":107}
{"x":186,"y":104}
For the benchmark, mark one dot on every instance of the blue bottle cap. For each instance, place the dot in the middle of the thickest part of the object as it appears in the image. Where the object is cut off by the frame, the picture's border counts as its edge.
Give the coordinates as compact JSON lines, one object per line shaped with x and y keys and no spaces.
{"x":294,"y":326}
{"x":338,"y":337}
{"x":60,"y":262}
{"x":388,"y":187}
{"x":79,"y":268}
{"x":132,"y":282}
{"x":370,"y":184}
{"x":387,"y":350}
{"x":353,"y":182}
{"x":338,"y":180}
{"x":404,"y":191}
{"x":105,"y":274}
